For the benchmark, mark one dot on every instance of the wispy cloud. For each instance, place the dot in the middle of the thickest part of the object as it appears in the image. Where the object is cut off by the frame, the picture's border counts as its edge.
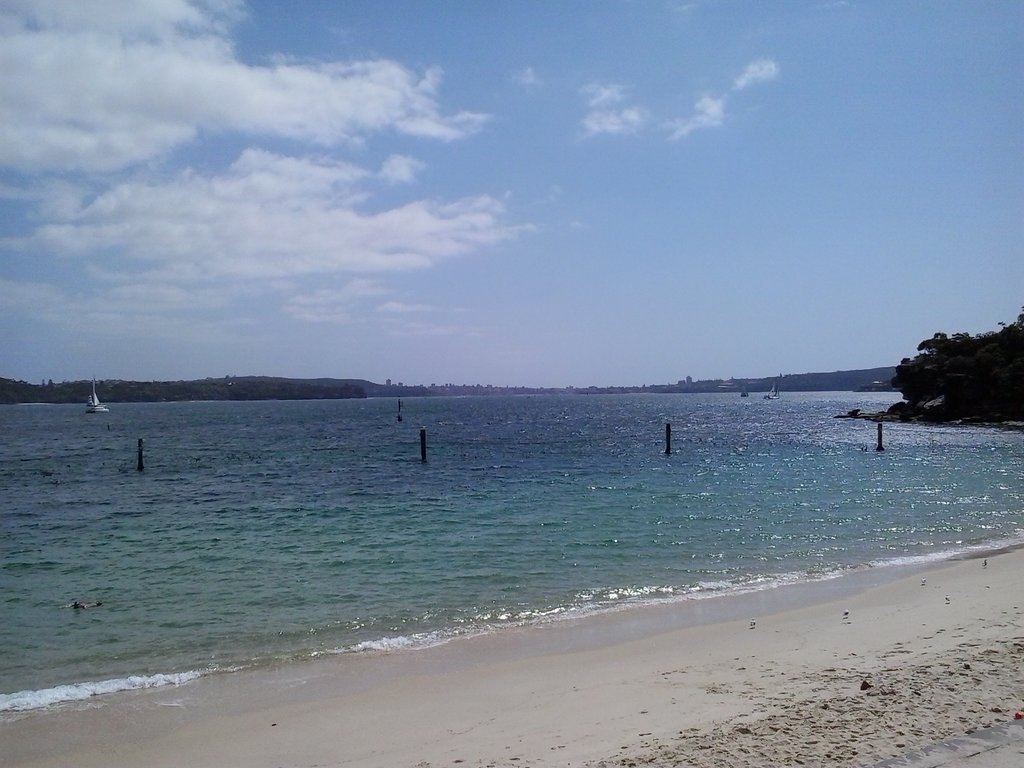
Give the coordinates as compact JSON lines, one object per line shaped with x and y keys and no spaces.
{"x":333,"y":305}
{"x":25,"y":295}
{"x":682,"y":9}
{"x":139,"y":309}
{"x":428,"y":329}
{"x":709,"y":111}
{"x":607,"y":114}
{"x":603,"y":95}
{"x":401,"y":308}
{"x":759,"y":71}
{"x":401,"y":169}
{"x":528,"y":79}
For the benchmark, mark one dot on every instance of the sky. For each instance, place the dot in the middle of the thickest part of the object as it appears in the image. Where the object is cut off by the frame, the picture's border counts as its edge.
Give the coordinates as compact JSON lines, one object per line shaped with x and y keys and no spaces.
{"x":525,"y":193}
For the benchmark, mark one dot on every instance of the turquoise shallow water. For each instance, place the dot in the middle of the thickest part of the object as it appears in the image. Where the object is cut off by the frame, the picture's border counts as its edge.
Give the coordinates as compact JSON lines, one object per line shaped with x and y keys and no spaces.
{"x":283,"y":530}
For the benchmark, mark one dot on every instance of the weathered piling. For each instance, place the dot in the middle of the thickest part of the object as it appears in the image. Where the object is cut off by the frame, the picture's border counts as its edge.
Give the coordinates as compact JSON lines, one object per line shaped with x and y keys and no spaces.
{"x":879,"y":447}
{"x":423,"y":444}
{"x":140,"y":465}
{"x":668,"y":439}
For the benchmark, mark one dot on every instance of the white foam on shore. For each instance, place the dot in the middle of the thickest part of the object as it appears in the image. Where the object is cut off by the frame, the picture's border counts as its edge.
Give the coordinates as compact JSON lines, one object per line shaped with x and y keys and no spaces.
{"x":398,"y":643}
{"x":26,"y":700}
{"x":961,"y":552}
{"x":614,"y":599}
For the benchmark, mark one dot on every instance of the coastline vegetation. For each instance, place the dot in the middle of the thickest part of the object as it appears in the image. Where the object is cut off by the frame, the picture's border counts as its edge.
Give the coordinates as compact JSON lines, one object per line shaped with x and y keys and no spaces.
{"x":274,"y":388}
{"x":227,"y":388}
{"x":964,"y":377}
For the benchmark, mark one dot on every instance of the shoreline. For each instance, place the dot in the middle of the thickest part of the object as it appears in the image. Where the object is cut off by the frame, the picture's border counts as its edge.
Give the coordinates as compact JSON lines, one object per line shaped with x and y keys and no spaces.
{"x":644,"y":685}
{"x":649,"y":615}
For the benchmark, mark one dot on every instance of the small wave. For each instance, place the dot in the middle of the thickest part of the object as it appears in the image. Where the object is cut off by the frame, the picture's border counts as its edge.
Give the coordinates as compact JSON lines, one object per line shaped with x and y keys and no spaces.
{"x":712,"y":586}
{"x":613,"y":599}
{"x":26,"y":700}
{"x":384,"y":644}
{"x":953,"y":553}
{"x":397,"y":643}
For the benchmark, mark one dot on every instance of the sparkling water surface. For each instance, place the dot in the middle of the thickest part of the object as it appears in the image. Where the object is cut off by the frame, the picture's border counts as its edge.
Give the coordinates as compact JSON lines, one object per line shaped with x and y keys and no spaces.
{"x":268,"y":531}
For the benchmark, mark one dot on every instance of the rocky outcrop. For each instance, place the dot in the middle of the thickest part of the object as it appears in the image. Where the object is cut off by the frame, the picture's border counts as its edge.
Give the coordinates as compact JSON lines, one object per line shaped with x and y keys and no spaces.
{"x":975,"y":379}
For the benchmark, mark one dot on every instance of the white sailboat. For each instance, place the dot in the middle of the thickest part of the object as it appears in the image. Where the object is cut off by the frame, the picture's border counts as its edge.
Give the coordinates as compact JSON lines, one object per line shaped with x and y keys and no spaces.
{"x":93,"y":404}
{"x":773,"y":393}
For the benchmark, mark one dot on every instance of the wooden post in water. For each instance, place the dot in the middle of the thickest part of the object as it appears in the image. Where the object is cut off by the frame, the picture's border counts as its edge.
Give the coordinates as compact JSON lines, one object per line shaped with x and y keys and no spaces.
{"x":423,"y":444}
{"x":140,"y":466}
{"x":879,"y":447}
{"x":668,"y":439}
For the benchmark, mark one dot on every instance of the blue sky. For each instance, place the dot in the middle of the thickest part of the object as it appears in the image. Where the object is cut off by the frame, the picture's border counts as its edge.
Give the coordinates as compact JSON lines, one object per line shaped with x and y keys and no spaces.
{"x":575,"y":192}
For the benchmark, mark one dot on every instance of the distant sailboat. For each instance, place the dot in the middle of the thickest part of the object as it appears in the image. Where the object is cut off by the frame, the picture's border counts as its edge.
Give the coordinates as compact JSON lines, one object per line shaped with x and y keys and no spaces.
{"x":93,"y":404}
{"x":773,"y":393}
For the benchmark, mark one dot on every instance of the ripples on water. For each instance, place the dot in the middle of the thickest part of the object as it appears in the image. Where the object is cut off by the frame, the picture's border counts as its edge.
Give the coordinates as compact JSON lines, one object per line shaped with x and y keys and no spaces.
{"x":267,"y":530}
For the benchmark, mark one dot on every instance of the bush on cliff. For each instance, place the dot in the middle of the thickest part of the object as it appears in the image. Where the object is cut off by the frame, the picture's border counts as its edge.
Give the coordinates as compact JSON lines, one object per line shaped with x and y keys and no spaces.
{"x":966,"y":377}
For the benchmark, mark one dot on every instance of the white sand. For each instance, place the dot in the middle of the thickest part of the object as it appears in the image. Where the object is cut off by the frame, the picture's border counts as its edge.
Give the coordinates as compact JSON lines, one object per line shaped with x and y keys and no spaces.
{"x":611,"y":691}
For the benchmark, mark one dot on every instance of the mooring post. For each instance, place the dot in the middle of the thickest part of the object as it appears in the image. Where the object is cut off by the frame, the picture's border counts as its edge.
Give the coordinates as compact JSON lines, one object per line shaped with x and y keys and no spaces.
{"x":879,"y":447}
{"x":423,"y":444}
{"x":668,"y":439}
{"x":140,"y":466}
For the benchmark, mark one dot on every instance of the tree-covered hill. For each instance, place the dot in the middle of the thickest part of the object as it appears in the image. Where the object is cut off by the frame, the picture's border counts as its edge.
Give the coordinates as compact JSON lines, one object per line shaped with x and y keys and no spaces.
{"x":229,"y":388}
{"x":962,"y":376}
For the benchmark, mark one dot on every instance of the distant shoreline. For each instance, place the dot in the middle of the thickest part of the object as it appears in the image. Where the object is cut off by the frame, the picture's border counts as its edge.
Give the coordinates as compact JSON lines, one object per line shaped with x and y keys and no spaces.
{"x":231,"y":388}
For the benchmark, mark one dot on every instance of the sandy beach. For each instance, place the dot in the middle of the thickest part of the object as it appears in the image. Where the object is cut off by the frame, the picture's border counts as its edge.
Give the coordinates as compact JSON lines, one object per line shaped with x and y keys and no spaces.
{"x":847,"y":672}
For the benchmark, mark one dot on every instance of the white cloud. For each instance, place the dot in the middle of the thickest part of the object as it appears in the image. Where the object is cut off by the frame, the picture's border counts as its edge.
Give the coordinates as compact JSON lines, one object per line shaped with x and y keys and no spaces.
{"x":709,"y":112}
{"x":102,"y":86}
{"x":23,"y":296}
{"x":138,"y":310}
{"x":400,"y":169}
{"x":268,"y":217}
{"x":110,"y":88}
{"x":427,"y":329}
{"x":682,"y":9}
{"x":139,"y":18}
{"x":759,"y":71}
{"x":624,"y":121}
{"x":606,"y":116}
{"x":401,"y":308}
{"x":602,"y":95}
{"x":332,"y":305}
{"x":148,"y":297}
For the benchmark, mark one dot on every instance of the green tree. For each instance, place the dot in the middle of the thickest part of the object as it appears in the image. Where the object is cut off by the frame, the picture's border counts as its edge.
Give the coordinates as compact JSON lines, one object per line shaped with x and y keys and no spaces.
{"x":965,"y":376}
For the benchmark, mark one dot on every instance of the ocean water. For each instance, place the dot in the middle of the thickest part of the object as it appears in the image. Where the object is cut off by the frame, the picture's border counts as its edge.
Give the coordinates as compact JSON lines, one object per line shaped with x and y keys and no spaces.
{"x":270,"y":532}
